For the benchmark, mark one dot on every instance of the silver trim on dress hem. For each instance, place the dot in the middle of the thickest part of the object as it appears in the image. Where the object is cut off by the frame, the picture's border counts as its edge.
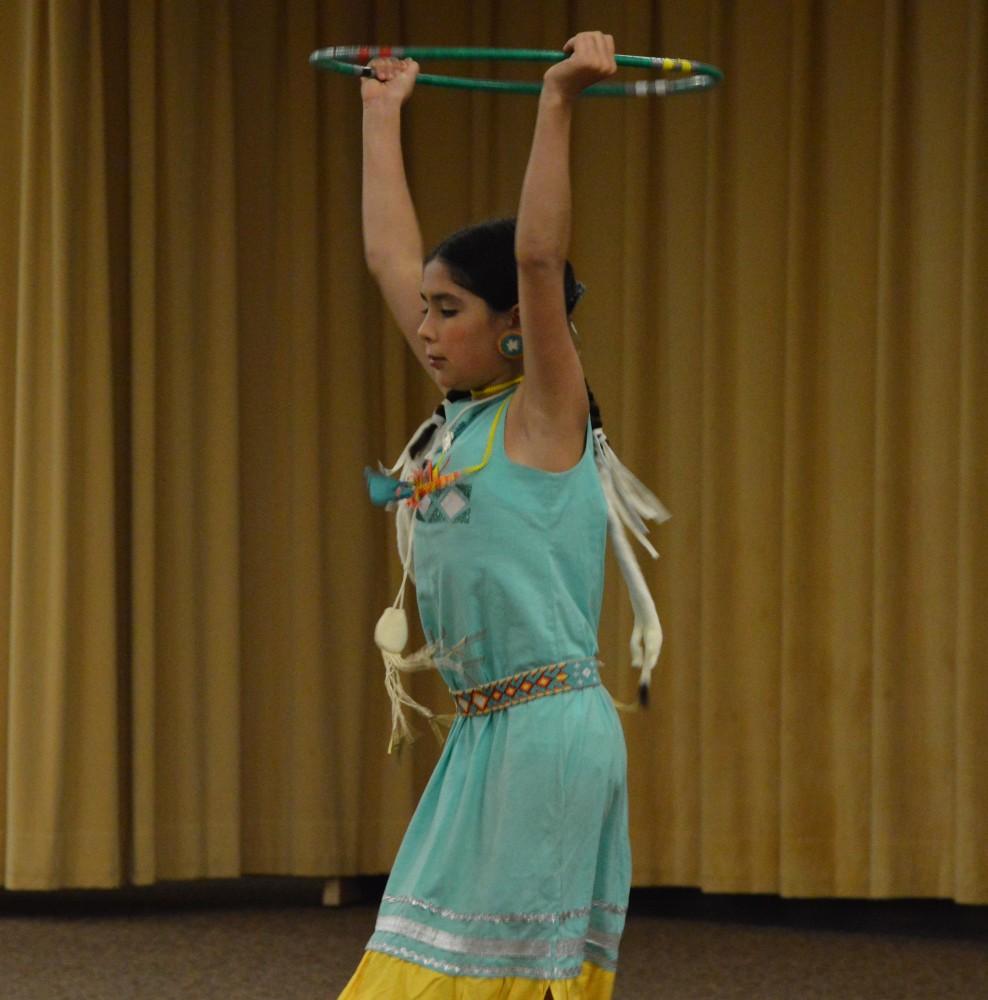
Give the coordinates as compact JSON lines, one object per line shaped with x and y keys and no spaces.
{"x":600,"y":957}
{"x":487,"y":947}
{"x":506,"y":918}
{"x":489,"y":972}
{"x":610,"y":908}
{"x":603,"y":940}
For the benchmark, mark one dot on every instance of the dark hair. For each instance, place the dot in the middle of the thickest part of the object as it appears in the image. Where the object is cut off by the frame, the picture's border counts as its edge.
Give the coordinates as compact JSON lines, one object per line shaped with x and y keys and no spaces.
{"x":481,"y":259}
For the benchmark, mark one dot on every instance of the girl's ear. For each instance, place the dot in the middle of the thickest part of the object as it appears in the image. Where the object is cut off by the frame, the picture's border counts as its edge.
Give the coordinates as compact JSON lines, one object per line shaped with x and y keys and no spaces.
{"x":515,"y":317}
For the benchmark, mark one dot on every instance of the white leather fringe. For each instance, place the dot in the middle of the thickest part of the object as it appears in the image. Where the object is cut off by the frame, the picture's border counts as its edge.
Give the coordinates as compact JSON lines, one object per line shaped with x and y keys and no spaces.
{"x":629,"y":505}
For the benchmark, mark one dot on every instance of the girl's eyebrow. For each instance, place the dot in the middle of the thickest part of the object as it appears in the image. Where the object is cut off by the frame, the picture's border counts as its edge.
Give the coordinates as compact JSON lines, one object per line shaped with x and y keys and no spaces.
{"x":439,"y":297}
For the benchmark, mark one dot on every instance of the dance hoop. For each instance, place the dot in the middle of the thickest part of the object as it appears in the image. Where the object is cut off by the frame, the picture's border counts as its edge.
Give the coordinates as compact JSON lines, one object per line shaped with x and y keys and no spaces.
{"x":687,"y":75}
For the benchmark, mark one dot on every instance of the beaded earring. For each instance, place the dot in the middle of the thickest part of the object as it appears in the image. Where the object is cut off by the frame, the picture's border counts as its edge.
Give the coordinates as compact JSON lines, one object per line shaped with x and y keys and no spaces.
{"x":511,"y":346}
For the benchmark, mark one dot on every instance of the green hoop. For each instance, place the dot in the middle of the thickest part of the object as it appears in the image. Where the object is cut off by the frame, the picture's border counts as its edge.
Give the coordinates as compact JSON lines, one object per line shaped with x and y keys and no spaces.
{"x":688,"y":75}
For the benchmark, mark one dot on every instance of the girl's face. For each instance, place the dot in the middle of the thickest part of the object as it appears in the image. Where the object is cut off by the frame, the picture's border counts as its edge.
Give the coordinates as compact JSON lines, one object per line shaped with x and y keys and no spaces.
{"x":461,"y":332}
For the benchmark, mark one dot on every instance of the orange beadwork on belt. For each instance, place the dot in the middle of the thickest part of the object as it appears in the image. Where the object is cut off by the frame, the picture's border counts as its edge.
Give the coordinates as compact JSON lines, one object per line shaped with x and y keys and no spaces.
{"x":537,"y":682}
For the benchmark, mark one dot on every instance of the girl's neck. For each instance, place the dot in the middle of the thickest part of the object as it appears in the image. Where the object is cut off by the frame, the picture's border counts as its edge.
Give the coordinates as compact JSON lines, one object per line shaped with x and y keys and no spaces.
{"x":493,"y":390}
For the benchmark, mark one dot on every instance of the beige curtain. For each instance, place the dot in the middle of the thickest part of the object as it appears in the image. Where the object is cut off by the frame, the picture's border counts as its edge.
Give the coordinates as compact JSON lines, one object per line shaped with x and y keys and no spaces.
{"x":786,"y":329}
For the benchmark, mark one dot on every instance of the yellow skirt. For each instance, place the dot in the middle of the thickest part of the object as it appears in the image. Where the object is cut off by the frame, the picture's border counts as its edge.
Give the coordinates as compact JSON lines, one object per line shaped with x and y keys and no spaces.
{"x":381,"y":977}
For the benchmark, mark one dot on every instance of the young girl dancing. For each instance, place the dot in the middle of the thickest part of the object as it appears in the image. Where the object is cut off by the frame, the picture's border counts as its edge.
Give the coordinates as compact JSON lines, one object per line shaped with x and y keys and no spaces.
{"x":512,"y":880}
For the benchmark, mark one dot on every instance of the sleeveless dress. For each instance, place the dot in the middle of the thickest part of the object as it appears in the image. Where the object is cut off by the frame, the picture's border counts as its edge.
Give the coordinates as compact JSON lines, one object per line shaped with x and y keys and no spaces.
{"x":514,"y":873}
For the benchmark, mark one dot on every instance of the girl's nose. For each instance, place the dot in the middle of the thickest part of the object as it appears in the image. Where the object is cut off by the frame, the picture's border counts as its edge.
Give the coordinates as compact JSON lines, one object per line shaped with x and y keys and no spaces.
{"x":425,"y":331}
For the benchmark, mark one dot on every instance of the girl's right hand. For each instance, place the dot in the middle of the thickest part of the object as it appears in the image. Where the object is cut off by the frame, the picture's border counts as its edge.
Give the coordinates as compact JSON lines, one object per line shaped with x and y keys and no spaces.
{"x":394,"y":81}
{"x":591,"y":59}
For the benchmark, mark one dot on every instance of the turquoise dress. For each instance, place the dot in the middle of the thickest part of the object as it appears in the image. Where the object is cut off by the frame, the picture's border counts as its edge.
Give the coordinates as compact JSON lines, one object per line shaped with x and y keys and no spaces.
{"x":517,"y":861}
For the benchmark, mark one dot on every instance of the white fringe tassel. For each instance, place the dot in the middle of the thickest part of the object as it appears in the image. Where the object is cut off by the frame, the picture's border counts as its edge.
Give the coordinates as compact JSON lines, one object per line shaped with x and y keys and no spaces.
{"x":629,"y":504}
{"x":402,"y":733}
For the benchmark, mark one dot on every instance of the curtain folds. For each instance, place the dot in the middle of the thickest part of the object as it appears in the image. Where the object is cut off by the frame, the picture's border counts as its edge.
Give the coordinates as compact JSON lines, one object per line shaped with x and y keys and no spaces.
{"x":61,"y":759}
{"x":785,"y":328}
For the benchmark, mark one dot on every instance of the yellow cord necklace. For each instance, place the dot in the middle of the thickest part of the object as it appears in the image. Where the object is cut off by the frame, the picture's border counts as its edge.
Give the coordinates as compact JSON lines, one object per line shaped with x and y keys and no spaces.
{"x":493,"y":390}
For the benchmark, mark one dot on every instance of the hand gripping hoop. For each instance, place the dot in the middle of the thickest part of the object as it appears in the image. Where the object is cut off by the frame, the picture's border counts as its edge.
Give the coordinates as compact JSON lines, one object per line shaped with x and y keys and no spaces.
{"x":687,"y":75}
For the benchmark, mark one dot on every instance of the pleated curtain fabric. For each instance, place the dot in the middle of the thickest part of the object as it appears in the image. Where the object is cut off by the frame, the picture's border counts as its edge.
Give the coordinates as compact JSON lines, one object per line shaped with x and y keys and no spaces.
{"x":787,"y":330}
{"x":61,"y":669}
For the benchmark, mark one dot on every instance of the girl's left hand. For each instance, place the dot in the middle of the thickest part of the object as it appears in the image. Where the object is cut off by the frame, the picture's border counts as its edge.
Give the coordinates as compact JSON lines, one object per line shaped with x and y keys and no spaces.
{"x":591,"y":60}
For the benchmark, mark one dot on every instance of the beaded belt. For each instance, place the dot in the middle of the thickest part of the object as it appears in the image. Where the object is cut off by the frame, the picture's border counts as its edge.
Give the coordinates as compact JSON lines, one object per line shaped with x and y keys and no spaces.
{"x":539,"y":682}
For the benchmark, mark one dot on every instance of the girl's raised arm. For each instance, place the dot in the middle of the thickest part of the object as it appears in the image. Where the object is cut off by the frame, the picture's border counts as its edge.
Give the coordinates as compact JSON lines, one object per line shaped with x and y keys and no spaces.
{"x":553,"y":406}
{"x":392,"y":239}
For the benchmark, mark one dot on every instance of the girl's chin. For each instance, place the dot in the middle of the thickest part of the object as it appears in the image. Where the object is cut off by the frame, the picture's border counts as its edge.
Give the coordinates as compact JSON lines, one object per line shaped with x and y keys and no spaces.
{"x":451,"y":384}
